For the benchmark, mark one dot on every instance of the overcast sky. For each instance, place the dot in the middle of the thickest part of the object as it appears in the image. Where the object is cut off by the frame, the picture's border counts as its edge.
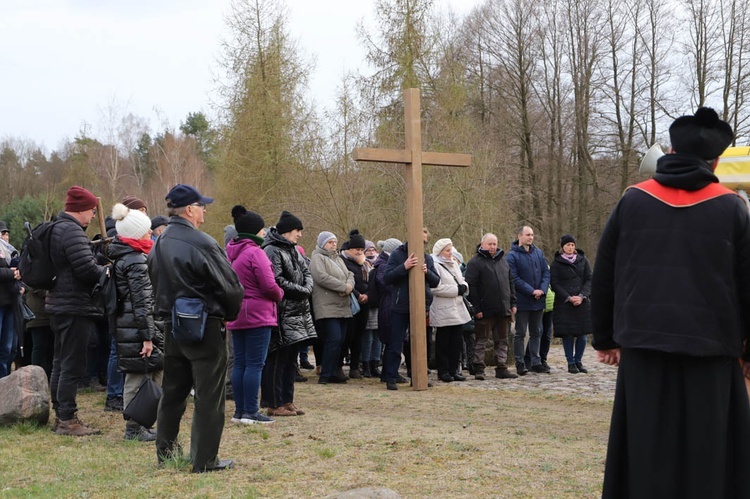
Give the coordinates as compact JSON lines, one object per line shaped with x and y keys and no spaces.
{"x":64,"y":63}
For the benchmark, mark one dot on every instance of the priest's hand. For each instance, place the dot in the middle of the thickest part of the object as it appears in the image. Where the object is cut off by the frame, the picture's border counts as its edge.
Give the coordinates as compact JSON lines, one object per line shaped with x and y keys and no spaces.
{"x":609,"y":357}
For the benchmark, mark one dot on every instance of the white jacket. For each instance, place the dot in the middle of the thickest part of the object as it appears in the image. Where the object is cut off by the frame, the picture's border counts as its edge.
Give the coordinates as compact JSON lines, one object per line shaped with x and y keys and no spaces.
{"x":448,"y":307}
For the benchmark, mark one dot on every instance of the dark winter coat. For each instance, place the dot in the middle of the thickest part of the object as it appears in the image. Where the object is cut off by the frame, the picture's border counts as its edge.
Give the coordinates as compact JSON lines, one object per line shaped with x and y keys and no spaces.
{"x":491,"y":287}
{"x":397,"y":275}
{"x":361,"y":280}
{"x":186,"y":262}
{"x":134,"y":322}
{"x":530,"y":272}
{"x":571,"y":279}
{"x":8,"y":290}
{"x":77,"y":270}
{"x":293,"y":277}
{"x":674,"y":277}
{"x":379,"y":289}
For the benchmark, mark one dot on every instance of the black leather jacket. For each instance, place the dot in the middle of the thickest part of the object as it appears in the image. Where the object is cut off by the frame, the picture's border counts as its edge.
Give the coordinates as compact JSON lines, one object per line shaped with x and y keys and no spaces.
{"x":187,"y":262}
{"x":293,"y":276}
{"x":77,"y":270}
{"x":134,"y":322}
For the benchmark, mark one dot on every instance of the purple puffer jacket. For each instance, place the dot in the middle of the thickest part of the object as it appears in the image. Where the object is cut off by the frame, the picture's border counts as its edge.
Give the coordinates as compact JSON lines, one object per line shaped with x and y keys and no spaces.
{"x":261,"y":291}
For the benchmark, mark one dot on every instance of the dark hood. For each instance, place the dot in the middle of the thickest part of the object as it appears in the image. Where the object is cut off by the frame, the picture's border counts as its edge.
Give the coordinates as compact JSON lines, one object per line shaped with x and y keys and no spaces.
{"x":117,"y":249}
{"x":682,"y":171}
{"x":274,"y":238}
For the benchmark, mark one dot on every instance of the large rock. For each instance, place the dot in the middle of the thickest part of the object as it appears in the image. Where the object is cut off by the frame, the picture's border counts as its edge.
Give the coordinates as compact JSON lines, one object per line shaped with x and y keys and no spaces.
{"x":24,"y":396}
{"x":366,"y":493}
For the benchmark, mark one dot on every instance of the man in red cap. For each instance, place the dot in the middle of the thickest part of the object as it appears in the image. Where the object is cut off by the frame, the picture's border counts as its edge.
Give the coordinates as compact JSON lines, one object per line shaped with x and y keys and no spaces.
{"x":71,"y":307}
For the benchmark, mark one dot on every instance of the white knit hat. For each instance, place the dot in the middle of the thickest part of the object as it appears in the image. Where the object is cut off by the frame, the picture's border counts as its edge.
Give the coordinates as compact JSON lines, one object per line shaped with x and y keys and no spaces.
{"x":133,"y":224}
{"x":440,"y":244}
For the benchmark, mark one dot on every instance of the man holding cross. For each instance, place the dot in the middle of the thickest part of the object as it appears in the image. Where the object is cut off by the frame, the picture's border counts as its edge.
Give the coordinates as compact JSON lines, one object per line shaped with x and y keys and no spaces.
{"x":397,"y":270}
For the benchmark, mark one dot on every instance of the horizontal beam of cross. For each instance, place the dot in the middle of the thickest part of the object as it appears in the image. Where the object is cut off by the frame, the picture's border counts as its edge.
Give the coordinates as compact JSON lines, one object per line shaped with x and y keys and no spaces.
{"x":404,"y":156}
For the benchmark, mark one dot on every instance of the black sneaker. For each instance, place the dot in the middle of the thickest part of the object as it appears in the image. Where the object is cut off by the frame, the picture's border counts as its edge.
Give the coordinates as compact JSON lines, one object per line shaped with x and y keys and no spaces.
{"x":458,"y":377}
{"x":540,"y":369}
{"x":446,"y":378}
{"x":391,"y":384}
{"x":401,"y":380}
{"x":581,"y":369}
{"x":306,"y":365}
{"x":113,"y":405}
{"x":573,"y":369}
{"x":522,"y":370}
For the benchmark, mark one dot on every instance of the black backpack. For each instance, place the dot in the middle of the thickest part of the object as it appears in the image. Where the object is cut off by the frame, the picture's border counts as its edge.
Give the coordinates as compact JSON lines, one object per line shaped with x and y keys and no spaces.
{"x":35,"y":265}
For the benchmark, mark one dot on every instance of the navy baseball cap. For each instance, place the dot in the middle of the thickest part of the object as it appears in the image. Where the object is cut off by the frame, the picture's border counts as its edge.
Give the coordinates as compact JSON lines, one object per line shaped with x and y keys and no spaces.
{"x":183,"y":195}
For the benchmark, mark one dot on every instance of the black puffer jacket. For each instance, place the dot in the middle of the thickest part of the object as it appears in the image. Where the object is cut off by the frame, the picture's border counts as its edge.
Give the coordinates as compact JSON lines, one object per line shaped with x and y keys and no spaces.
{"x":134,"y":322}
{"x":571,"y":279}
{"x":186,"y":262}
{"x":293,"y":276}
{"x":491,"y":287}
{"x":77,"y":270}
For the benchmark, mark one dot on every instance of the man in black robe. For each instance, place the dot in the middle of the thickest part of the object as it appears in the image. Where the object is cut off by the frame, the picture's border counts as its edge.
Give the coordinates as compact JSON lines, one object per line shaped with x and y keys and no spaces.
{"x":671,"y":307}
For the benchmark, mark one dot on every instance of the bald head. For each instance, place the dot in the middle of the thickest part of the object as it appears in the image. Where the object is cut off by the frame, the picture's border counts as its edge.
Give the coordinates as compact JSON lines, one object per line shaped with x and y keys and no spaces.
{"x":489,"y":243}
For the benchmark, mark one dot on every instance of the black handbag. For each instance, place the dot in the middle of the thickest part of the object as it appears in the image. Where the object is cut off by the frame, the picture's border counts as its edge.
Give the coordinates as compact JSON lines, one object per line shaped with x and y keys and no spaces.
{"x":467,"y":303}
{"x":143,"y":407}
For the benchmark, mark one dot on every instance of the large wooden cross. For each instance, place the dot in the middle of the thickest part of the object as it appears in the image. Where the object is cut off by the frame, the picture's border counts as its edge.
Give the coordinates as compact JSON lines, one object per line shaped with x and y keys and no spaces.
{"x":413,"y":158}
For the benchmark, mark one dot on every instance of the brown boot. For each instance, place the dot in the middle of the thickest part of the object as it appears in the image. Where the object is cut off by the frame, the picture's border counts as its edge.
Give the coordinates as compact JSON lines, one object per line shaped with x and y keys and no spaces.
{"x":291,"y":407}
{"x":75,"y":428}
{"x":55,"y":425}
{"x":280,"y":411}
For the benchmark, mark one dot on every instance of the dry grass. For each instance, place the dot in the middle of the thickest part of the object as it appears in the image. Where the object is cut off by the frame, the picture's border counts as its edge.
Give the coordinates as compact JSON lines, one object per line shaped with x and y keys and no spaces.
{"x":450,"y":441}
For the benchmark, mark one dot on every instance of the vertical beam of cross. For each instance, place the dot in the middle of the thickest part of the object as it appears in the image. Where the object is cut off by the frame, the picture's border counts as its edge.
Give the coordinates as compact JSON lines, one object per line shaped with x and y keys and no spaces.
{"x":413,"y":158}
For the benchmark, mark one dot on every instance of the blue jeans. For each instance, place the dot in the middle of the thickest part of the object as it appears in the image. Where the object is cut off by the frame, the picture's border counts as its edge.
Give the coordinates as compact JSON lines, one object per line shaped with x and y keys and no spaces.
{"x":574,"y":343}
{"x":303,"y":353}
{"x":250,"y":350}
{"x":533,"y":320}
{"x":8,"y":339}
{"x":334,"y":332}
{"x":395,"y":345}
{"x":115,"y":378}
{"x":371,"y":345}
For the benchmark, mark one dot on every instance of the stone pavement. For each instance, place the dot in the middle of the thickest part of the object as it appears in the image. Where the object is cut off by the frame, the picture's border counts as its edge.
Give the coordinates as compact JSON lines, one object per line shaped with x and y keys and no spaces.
{"x":599,"y":382}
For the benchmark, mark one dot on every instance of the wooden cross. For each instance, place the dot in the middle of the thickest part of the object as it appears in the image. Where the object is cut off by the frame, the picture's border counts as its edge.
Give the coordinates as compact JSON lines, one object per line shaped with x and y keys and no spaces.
{"x":413,"y":158}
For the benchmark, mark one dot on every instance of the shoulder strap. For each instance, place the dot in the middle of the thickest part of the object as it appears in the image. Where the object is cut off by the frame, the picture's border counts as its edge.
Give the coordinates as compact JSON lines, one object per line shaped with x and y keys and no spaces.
{"x":451,"y":273}
{"x":681,"y":198}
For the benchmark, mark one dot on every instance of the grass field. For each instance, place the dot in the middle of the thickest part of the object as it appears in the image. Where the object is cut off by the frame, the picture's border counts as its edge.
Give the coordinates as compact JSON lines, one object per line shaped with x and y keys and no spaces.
{"x":448,"y":441}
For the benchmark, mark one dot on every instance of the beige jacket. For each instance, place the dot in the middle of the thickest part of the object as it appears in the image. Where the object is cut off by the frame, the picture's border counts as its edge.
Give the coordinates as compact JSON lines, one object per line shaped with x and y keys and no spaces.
{"x":331,"y":279}
{"x":448,"y":307}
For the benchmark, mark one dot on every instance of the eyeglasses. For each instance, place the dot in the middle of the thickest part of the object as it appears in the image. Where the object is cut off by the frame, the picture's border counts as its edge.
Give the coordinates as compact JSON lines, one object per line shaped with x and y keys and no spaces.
{"x":199,"y":205}
{"x":94,"y":210}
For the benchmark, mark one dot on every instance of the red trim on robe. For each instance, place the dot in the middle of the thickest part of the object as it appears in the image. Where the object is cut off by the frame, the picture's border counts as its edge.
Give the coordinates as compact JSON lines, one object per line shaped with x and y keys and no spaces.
{"x":680,"y":198}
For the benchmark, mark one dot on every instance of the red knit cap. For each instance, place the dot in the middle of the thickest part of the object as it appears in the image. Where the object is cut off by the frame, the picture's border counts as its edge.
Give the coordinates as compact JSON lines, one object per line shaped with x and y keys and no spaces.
{"x":79,"y":199}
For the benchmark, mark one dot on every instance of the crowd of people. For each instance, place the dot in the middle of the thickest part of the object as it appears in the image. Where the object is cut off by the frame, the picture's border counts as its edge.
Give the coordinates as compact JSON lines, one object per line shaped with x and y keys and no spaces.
{"x":669,"y":309}
{"x":179,"y":292}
